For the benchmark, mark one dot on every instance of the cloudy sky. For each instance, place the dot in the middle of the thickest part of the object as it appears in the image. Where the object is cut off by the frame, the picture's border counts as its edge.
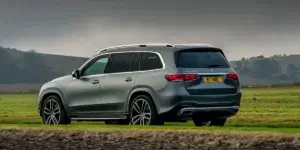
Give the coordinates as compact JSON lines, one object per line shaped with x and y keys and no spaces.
{"x":243,"y":28}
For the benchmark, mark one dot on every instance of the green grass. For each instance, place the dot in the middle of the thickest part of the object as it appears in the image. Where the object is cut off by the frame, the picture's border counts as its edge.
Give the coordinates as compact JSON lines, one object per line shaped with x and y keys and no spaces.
{"x":262,"y":109}
{"x":168,"y":127}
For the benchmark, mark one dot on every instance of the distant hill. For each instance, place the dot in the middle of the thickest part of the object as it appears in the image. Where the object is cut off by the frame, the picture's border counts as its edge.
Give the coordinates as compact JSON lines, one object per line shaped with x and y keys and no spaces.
{"x":31,"y":67}
{"x":28,"y":70}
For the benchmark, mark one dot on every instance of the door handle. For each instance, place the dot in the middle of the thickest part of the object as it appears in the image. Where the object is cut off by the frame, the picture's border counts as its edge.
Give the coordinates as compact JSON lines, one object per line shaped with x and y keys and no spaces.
{"x":128,"y":79}
{"x":95,"y":82}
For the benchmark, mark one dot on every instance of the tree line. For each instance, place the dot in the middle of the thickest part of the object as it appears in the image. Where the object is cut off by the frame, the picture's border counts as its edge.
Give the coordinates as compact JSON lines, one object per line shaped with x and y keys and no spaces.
{"x":275,"y":69}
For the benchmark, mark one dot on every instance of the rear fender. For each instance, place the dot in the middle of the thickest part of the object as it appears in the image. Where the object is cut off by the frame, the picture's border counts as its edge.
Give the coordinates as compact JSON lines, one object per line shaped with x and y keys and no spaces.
{"x":145,"y":89}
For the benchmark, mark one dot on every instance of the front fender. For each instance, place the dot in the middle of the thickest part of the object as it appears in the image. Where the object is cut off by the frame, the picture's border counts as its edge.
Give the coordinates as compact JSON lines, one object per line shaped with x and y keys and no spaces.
{"x":53,"y":91}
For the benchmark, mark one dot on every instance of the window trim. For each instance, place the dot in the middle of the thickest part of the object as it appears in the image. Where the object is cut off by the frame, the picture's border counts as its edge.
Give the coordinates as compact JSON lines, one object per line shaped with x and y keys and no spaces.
{"x":108,"y":53}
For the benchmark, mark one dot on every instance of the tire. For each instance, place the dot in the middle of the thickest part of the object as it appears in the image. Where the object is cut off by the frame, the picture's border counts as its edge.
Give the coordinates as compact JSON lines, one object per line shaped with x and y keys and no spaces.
{"x":143,"y":112}
{"x":53,"y":112}
{"x":199,"y":121}
{"x":218,"y":122}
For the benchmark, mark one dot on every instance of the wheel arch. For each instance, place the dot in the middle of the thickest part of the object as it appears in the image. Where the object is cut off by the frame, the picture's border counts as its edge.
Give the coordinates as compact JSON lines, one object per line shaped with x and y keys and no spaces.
{"x":48,"y":92}
{"x":141,"y":90}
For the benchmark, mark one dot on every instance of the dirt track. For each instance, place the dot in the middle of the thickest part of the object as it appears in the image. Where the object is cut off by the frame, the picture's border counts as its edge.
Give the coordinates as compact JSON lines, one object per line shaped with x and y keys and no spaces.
{"x":139,"y":140}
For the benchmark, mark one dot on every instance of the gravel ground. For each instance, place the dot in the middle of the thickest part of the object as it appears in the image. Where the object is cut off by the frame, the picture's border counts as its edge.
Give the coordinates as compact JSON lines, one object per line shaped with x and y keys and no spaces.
{"x":140,"y":140}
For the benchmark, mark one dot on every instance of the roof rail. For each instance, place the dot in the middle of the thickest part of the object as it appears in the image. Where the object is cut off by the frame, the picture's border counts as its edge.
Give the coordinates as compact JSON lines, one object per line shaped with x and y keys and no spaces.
{"x":137,"y":45}
{"x":156,"y":44}
{"x":117,"y":47}
{"x":196,"y":44}
{"x":103,"y":50}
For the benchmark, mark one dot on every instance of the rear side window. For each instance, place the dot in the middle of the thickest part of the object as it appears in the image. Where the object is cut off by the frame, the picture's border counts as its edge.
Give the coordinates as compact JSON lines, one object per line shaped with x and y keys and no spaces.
{"x":120,"y":62}
{"x":201,"y":58}
{"x":136,"y":62}
{"x":150,"y":61}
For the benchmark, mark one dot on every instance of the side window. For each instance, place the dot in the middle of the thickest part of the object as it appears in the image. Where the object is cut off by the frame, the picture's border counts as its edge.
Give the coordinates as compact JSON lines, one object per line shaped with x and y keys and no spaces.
{"x":120,"y":62}
{"x":150,"y":61}
{"x":96,"y":66}
{"x":136,"y":64}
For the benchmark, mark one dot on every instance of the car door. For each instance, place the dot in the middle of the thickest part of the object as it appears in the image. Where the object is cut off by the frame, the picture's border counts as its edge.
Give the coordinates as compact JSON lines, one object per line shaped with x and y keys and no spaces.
{"x":84,"y":93}
{"x":118,"y":81}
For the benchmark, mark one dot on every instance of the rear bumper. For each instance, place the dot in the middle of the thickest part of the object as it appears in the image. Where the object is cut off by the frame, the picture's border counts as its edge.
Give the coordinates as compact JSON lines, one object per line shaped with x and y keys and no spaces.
{"x":207,"y":112}
{"x":182,"y":108}
{"x":189,"y":110}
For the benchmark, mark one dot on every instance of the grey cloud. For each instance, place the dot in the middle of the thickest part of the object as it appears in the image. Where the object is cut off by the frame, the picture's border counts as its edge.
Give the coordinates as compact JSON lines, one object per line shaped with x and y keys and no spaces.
{"x":81,"y":27}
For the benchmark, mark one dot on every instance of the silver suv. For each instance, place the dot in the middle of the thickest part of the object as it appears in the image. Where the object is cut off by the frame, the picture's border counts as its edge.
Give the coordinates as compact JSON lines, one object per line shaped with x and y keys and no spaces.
{"x":147,"y":85}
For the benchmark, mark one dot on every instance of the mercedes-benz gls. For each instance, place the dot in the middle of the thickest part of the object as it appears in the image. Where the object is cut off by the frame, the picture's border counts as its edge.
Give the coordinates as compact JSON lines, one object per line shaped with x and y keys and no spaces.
{"x":146,"y":84}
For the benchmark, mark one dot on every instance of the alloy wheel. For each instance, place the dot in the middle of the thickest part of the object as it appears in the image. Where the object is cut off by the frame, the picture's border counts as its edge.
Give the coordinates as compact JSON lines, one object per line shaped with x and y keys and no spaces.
{"x":52,"y":112}
{"x":141,"y":113}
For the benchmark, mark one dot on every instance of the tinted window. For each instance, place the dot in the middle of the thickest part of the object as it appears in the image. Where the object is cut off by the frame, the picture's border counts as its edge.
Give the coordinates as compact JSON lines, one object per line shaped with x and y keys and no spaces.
{"x":136,"y":64}
{"x":96,"y":66}
{"x":120,"y":62}
{"x":201,"y":59}
{"x":150,"y":61}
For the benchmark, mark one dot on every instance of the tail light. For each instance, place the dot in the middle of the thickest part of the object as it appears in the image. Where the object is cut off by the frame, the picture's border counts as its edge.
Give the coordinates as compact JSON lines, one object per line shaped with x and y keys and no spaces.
{"x":233,"y":76}
{"x":181,"y":77}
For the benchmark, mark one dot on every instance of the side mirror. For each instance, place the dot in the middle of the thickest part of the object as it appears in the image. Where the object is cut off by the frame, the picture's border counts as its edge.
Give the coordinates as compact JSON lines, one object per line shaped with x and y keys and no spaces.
{"x":76,"y":74}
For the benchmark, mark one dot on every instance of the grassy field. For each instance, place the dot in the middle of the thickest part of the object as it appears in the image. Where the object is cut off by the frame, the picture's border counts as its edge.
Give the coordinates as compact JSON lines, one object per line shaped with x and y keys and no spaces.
{"x":262,"y":109}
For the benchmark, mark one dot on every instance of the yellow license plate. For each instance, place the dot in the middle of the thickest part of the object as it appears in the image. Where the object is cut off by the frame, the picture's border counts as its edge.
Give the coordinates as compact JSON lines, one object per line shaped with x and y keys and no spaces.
{"x":216,"y":79}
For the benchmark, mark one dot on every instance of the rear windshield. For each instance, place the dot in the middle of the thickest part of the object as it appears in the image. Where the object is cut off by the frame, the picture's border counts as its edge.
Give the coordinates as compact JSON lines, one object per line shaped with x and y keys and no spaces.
{"x":198,"y":58}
